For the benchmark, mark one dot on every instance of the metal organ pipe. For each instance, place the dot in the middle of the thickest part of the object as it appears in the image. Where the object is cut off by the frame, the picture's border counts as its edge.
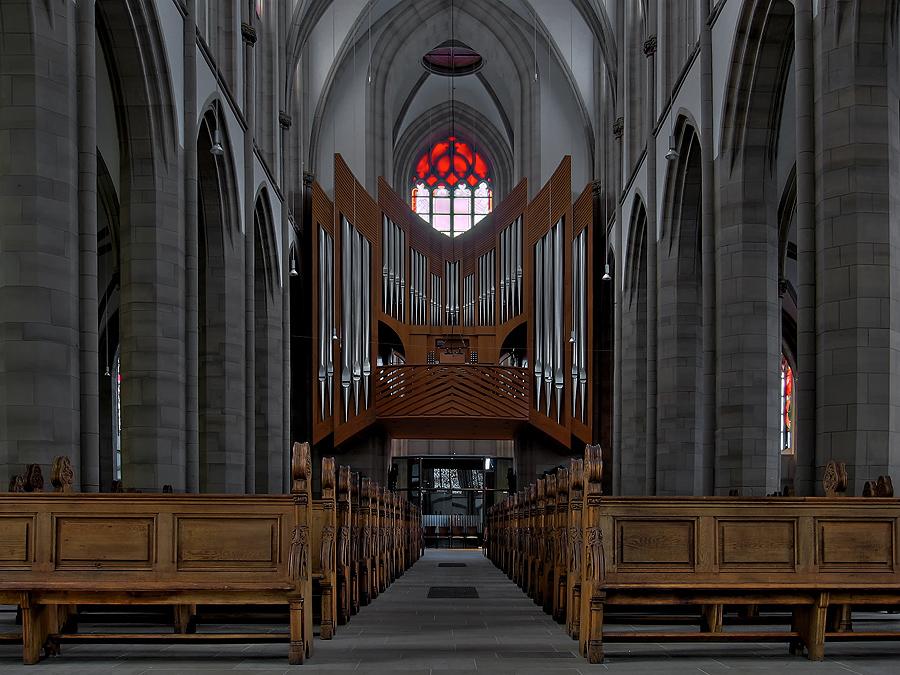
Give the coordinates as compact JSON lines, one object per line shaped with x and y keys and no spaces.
{"x":582,"y":313}
{"x":549,"y":333}
{"x":322,"y":322}
{"x":357,"y":318}
{"x":329,"y":323}
{"x":519,"y":271}
{"x":346,"y":330}
{"x":538,"y":321}
{"x":558,"y":328}
{"x":365,"y":340}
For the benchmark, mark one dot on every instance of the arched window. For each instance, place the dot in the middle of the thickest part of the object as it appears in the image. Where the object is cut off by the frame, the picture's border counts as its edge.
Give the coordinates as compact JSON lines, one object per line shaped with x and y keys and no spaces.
{"x":787,"y":407}
{"x":451,"y":187}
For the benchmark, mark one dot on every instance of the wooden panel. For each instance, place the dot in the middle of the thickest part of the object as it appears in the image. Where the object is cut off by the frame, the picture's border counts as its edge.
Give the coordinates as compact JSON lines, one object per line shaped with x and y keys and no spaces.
{"x":643,"y":543}
{"x":16,"y":541}
{"x":855,"y":544}
{"x":452,"y":391}
{"x":757,"y":544}
{"x":227,"y":542}
{"x":111,"y":542}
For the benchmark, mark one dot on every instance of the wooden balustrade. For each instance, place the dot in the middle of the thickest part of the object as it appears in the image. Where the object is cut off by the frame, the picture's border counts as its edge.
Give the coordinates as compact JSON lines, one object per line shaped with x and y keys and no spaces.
{"x":444,"y":395}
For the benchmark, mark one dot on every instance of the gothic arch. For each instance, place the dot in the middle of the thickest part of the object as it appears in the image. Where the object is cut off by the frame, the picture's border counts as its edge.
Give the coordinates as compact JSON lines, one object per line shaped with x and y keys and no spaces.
{"x":633,"y":457}
{"x":152,"y":306}
{"x":748,"y":311}
{"x":679,"y":457}
{"x":436,"y":123}
{"x":267,"y":352}
{"x":221,"y":314}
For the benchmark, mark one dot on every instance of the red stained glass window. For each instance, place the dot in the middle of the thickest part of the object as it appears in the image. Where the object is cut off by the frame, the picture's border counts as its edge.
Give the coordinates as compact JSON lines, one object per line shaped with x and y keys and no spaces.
{"x":452,"y":181}
{"x":787,"y":406}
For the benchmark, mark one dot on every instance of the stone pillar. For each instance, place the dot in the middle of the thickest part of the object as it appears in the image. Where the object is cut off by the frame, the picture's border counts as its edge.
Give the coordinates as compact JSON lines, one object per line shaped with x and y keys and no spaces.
{"x":250,"y":37}
{"x":191,"y":265}
{"x":39,"y":228}
{"x":805,"y":375}
{"x":858,"y":241}
{"x":87,"y":217}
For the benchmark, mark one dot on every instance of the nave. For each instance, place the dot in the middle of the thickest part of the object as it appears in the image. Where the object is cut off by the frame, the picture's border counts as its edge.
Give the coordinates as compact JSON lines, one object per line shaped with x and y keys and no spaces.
{"x":500,"y":632}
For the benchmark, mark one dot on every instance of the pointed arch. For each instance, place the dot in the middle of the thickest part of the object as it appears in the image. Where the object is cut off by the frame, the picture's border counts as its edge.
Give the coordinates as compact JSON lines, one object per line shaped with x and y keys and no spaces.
{"x":221,"y":313}
{"x":267,"y":351}
{"x":679,"y":456}
{"x":634,"y":459}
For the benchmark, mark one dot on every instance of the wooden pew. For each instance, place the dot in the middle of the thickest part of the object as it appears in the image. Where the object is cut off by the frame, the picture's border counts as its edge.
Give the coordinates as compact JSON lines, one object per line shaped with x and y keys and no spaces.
{"x":63,"y":549}
{"x":807,"y":555}
{"x":355,"y":543}
{"x":324,"y":546}
{"x":344,"y":529}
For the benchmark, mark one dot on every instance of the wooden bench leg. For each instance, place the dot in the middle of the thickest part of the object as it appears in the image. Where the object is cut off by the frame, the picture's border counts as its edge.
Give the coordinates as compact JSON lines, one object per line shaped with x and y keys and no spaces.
{"x":34,"y":630}
{"x":574,"y":612}
{"x":300,"y":642}
{"x":595,"y":630}
{"x":810,"y":622}
{"x":185,"y":619}
{"x":327,"y":624}
{"x":712,"y":618}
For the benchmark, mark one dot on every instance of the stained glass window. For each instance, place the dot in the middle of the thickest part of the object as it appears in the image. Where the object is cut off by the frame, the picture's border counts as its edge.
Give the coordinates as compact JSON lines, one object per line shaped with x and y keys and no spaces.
{"x":452,"y":187}
{"x":117,"y":460}
{"x":787,"y":407}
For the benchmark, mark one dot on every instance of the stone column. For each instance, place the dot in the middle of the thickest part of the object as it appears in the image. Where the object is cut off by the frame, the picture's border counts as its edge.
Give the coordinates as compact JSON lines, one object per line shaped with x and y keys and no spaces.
{"x":87,"y":216}
{"x":805,"y":376}
{"x":39,"y":227}
{"x":191,"y":246}
{"x":249,"y":36}
{"x":858,"y":241}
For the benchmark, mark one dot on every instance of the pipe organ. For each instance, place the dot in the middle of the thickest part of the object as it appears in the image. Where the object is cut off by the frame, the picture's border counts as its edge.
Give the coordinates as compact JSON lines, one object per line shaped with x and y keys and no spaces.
{"x":486,"y":333}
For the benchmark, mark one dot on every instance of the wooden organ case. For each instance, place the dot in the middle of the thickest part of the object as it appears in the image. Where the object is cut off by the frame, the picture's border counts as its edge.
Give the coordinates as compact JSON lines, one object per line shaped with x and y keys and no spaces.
{"x":469,"y":337}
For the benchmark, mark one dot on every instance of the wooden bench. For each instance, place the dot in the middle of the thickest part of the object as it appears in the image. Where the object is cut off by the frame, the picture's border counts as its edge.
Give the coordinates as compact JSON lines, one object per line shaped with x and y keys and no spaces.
{"x":804,"y":555}
{"x":64,"y":549}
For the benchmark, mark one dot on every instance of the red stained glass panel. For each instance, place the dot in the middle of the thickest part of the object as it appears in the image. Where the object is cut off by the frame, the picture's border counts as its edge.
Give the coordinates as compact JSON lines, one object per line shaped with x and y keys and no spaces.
{"x":452,"y":164}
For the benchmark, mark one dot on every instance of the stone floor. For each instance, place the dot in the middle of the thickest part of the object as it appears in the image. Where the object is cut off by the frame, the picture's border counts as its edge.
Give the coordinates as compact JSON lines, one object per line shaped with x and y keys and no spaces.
{"x":501,"y":631}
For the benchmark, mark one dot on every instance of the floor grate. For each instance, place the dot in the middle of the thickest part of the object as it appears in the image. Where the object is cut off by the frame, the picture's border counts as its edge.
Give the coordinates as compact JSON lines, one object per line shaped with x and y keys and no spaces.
{"x":452,"y":592}
{"x":452,"y":565}
{"x":535,"y":655}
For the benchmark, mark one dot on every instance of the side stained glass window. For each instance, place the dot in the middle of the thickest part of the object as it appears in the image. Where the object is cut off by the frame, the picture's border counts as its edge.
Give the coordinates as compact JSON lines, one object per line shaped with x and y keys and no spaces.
{"x":787,"y":407}
{"x":451,"y":187}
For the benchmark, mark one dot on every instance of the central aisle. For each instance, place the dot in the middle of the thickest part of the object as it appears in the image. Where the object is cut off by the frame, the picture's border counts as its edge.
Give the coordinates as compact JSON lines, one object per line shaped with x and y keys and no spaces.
{"x":501,"y":630}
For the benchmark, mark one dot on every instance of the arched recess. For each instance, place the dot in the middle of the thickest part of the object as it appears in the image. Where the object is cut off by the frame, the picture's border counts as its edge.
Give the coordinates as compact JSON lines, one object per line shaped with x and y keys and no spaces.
{"x":440,"y":121}
{"x":268,"y":352}
{"x":633,"y":456}
{"x":788,"y":293}
{"x":108,"y":295}
{"x":748,"y":339}
{"x":221,"y":315}
{"x":679,"y":462}
{"x":151,"y":312}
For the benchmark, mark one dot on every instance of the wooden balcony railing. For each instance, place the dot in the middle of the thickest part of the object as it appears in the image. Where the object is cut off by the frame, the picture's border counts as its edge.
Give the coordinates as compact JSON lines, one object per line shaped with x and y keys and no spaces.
{"x":451,"y":392}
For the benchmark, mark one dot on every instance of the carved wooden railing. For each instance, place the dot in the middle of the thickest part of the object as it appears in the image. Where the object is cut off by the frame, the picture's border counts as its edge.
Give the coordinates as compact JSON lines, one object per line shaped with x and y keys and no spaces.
{"x":452,"y":391}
